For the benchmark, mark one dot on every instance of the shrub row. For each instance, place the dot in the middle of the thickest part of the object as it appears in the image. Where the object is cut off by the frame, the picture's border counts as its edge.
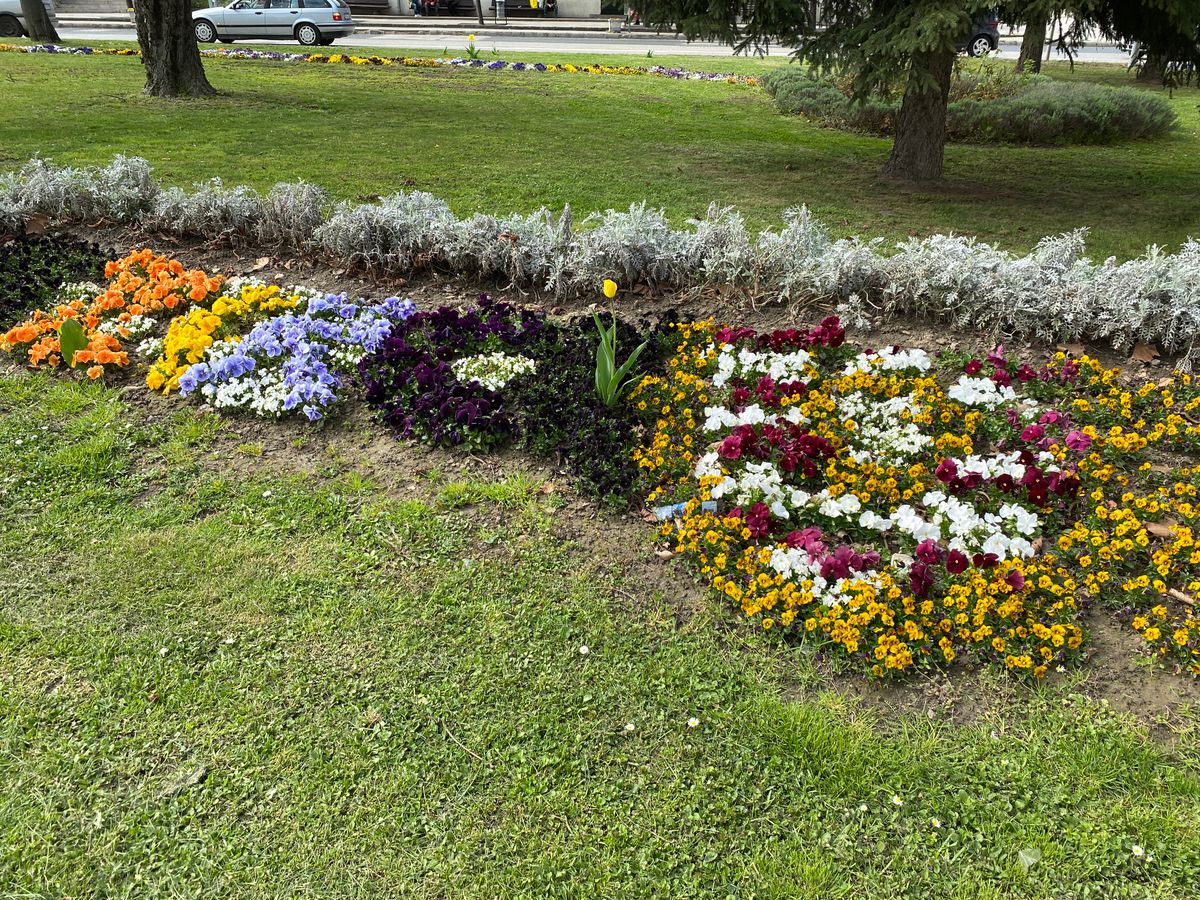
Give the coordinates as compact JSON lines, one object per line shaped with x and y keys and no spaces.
{"x":1040,"y":111}
{"x":1055,"y":292}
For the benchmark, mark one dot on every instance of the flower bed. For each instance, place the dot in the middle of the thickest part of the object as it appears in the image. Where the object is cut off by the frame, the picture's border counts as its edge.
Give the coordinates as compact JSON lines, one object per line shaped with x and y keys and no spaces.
{"x":421,"y":62}
{"x":494,"y":374}
{"x":905,"y":514}
{"x":900,"y":511}
{"x":191,"y":336}
{"x":294,"y":362}
{"x":144,"y":289}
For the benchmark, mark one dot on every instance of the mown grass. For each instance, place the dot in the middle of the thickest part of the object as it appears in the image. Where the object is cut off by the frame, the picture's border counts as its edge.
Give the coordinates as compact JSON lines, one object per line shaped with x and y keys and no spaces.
{"x":510,"y":141}
{"x":300,"y":686}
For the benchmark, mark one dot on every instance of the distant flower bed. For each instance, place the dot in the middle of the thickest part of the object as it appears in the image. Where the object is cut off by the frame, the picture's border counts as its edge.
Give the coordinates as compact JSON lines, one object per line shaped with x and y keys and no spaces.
{"x":407,"y":62}
{"x":1036,"y":110}
{"x":905,"y":513}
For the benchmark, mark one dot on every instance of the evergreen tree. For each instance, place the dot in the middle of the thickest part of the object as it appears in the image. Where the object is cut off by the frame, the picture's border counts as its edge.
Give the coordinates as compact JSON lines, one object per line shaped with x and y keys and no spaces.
{"x":881,"y":43}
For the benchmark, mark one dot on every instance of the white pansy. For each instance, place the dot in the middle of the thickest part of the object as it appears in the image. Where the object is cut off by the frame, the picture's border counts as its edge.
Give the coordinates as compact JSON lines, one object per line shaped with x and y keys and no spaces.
{"x":751,"y":365}
{"x":131,"y":329}
{"x":890,"y":360}
{"x":882,"y":431}
{"x":492,"y":371}
{"x":980,"y":392}
{"x":78,"y":290}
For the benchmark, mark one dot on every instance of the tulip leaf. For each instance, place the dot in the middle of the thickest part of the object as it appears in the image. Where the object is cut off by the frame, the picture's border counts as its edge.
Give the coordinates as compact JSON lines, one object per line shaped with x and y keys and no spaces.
{"x":71,"y":340}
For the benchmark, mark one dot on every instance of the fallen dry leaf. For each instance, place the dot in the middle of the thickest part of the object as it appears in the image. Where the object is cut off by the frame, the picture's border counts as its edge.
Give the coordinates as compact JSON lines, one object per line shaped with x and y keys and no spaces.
{"x":261,"y":263}
{"x":1181,"y":597}
{"x":37,"y":223}
{"x":1144,"y":352}
{"x":548,"y":487}
{"x":1160,"y":529}
{"x":663,"y":554}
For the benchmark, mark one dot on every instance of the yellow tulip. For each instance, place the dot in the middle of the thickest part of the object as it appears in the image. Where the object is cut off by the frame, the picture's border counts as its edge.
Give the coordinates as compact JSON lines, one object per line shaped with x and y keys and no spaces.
{"x":470,"y":37}
{"x":610,"y":288}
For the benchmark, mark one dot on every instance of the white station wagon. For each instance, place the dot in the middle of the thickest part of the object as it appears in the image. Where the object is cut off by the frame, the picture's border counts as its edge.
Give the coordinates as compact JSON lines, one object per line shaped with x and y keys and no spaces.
{"x":310,"y":22}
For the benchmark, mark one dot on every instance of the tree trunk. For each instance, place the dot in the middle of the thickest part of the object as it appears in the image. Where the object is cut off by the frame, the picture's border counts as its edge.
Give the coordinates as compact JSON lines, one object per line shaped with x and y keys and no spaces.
{"x":479,"y":11}
{"x":1151,"y":69}
{"x":919,"y":148}
{"x":37,"y":22}
{"x":1031,"y":47}
{"x":169,"y":51}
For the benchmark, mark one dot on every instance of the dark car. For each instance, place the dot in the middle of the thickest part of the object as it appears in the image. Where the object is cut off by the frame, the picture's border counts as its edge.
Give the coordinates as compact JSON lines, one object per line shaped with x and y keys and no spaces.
{"x":984,"y":36}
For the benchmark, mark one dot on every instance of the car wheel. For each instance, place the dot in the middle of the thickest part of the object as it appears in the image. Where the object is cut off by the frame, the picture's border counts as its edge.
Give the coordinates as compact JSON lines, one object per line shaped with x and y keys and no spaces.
{"x":325,"y":42}
{"x":205,"y":33}
{"x":225,"y":40}
{"x":10,"y":27}
{"x":980,"y":46}
{"x":308,"y":35}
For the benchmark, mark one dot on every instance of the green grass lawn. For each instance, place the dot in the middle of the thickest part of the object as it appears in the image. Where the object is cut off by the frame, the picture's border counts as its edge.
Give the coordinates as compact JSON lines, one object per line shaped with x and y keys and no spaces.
{"x":510,"y":141}
{"x":275,"y":685}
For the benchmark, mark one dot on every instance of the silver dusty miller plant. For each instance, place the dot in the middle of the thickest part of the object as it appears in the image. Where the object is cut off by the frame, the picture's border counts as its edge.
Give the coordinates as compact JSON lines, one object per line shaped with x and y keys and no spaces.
{"x":121,"y":191}
{"x":517,"y":249}
{"x":718,"y":250}
{"x":398,"y":233}
{"x":292,"y":212}
{"x":629,"y":247}
{"x":211,"y":211}
{"x":1054,"y":292}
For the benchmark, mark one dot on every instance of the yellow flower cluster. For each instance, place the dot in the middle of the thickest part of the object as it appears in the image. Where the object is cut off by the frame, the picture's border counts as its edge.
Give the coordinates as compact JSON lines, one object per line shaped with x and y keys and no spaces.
{"x":1025,"y":623}
{"x":189,"y":336}
{"x":1176,"y":636}
{"x":673,"y":401}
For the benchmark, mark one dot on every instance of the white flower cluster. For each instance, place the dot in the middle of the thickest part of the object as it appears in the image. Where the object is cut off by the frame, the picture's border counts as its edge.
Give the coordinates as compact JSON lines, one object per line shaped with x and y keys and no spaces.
{"x":718,"y":418}
{"x":134,"y":328}
{"x":762,"y":481}
{"x":1005,"y":533}
{"x":492,"y":370}
{"x":751,"y":365}
{"x":883,"y":430}
{"x":262,"y":392}
{"x":79,"y":290}
{"x":890,"y":359}
{"x":150,"y":348}
{"x":794,"y":564}
{"x":980,"y":392}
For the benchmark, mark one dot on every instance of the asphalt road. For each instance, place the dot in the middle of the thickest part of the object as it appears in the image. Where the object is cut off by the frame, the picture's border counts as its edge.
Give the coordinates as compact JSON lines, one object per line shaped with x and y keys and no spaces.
{"x":636,"y":44}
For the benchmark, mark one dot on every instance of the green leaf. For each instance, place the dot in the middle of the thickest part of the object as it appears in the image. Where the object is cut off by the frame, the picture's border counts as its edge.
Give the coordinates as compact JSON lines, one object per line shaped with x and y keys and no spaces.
{"x":71,"y":340}
{"x":629,"y":363}
{"x":1029,"y":857}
